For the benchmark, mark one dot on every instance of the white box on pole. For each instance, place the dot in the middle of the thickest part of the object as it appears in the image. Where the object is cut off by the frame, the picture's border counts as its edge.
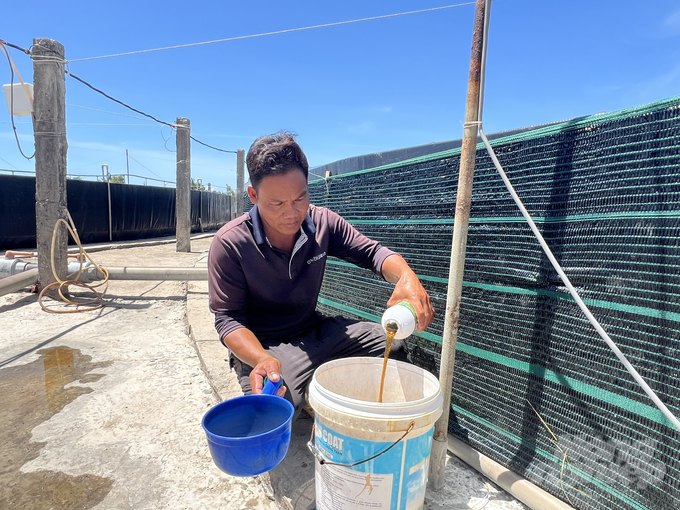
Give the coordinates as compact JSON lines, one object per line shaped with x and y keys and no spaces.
{"x":22,"y":104}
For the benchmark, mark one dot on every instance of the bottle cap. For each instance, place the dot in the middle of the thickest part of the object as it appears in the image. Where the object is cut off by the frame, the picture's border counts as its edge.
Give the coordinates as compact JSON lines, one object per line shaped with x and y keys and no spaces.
{"x":271,"y":387}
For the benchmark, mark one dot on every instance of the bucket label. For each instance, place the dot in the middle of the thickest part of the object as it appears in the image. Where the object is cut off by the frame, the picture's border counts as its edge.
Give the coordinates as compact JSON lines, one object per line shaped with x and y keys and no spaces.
{"x":340,"y":488}
{"x":395,"y":480}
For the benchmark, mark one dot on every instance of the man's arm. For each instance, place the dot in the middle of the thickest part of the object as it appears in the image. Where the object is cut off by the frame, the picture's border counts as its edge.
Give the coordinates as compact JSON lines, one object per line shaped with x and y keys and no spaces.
{"x":350,"y":245}
{"x":227,"y":295}
{"x":407,"y":288}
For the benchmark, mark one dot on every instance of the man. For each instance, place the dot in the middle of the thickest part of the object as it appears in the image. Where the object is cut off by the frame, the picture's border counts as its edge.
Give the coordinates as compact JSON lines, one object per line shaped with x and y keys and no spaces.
{"x":265,"y":271}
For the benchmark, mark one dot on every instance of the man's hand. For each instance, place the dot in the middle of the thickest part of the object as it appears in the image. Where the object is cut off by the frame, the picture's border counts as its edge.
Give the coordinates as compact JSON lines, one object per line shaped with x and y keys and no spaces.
{"x":269,"y":367}
{"x":246,"y":347}
{"x":408,"y":288}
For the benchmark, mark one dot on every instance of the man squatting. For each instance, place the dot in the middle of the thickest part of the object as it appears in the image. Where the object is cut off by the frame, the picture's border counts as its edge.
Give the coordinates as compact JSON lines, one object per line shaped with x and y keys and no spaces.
{"x":265,"y":270}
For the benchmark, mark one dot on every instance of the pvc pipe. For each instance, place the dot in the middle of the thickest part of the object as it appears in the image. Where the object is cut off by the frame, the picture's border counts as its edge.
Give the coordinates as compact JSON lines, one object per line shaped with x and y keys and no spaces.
{"x":525,"y":491}
{"x":18,"y":281}
{"x":147,"y":273}
{"x":10,"y":267}
{"x":91,"y":274}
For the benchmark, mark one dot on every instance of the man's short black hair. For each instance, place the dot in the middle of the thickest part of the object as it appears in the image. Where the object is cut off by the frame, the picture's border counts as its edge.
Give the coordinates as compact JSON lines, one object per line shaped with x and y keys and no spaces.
{"x":275,"y":154}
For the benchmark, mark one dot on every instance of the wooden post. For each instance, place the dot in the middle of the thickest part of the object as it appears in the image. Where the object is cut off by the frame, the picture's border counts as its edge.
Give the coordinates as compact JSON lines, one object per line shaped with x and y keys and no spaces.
{"x":240,"y":170}
{"x":49,"y":130}
{"x":183,"y":187}
{"x":458,"y":247}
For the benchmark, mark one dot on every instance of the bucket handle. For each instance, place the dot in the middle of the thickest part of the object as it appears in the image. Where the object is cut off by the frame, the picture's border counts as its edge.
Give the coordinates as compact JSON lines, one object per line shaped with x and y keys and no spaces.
{"x":317,"y":454}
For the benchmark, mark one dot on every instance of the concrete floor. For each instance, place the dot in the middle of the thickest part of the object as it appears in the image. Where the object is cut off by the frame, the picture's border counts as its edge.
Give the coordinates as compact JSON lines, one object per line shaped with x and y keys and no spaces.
{"x":102,"y":409}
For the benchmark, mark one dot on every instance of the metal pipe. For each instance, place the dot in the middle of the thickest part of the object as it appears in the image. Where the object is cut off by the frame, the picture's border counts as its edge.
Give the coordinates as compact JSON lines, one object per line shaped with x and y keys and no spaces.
{"x":108,"y":184}
{"x":437,"y":476}
{"x":522,"y":489}
{"x":18,"y":281}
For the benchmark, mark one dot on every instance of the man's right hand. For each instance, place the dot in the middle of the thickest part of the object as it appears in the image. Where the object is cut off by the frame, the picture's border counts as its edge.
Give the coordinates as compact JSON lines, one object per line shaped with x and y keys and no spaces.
{"x":269,"y":367}
{"x":245,"y":346}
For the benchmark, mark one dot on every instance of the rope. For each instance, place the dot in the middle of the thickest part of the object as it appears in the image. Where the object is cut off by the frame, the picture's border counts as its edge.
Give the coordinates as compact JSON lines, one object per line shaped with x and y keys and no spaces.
{"x":287,"y":31}
{"x":98,"y":300}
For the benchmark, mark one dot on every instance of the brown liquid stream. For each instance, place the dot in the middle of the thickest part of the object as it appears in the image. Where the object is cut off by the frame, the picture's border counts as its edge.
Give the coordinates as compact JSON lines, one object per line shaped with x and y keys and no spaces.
{"x":389,"y":337}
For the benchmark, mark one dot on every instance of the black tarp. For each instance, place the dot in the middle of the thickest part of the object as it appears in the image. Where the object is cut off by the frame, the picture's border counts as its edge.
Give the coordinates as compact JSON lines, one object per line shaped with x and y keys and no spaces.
{"x":209,"y":210}
{"x":17,"y":212}
{"x":137,"y":212}
{"x":142,"y":211}
{"x":88,"y":204}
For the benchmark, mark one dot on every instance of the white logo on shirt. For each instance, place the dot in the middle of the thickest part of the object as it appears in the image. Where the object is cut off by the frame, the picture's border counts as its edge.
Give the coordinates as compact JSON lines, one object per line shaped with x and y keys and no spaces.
{"x":316,"y":257}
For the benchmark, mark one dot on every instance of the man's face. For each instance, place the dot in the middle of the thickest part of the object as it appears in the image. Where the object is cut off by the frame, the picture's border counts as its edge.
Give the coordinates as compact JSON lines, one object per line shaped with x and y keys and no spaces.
{"x":282,"y":201}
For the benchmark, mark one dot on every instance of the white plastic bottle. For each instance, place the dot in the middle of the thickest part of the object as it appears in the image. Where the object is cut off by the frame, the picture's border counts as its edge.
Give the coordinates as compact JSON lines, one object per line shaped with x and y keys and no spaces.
{"x":403,"y":316}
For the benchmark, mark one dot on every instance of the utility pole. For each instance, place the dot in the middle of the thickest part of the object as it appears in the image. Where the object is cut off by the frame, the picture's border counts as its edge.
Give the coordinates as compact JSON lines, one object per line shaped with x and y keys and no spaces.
{"x":127,"y":161}
{"x":458,"y":247}
{"x":240,"y":169}
{"x":183,"y":187}
{"x":49,"y":130}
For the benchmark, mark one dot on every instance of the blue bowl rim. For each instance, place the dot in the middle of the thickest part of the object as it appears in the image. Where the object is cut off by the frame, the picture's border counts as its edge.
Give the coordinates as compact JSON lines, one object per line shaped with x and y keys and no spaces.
{"x":275,"y":432}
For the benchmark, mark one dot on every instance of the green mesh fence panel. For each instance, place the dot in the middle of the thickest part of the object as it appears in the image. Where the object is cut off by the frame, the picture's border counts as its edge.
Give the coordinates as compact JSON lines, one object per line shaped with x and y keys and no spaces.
{"x":605,"y":191}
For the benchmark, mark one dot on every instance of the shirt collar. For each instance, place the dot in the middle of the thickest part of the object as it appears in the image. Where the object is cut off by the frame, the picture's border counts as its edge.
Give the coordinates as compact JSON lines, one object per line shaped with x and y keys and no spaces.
{"x":258,"y":230}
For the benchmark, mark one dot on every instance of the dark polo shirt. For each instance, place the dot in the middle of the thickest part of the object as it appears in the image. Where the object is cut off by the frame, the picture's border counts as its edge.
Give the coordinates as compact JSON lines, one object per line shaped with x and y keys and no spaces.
{"x":257,"y":286}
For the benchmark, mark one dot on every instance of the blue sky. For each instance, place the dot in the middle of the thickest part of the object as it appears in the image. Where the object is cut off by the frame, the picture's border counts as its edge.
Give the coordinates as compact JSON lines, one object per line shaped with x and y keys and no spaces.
{"x":346,"y":90}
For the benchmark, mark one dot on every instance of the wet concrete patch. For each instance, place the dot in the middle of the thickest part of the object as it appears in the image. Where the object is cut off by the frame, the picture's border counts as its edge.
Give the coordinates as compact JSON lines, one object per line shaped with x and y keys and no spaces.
{"x":31,"y":394}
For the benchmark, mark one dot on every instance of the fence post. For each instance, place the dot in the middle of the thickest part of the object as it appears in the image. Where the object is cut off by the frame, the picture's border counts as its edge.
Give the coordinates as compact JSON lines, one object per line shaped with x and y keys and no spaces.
{"x":183,"y":187}
{"x":458,"y":247}
{"x":240,"y":169}
{"x":49,"y":131}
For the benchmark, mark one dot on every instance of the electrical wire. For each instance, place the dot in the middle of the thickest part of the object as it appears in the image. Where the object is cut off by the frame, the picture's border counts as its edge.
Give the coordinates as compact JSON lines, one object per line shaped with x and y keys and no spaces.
{"x":12,"y":71}
{"x":210,"y":146}
{"x":116,"y":100}
{"x":10,"y":164}
{"x":105,"y":124}
{"x":27,"y":52}
{"x":133,"y":159}
{"x":287,"y":31}
{"x":105,"y":111}
{"x":166,"y":140}
{"x":68,"y":72}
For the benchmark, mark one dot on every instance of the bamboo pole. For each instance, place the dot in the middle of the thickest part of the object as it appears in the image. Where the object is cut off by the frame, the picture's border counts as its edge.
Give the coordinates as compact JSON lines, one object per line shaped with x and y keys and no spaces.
{"x":458,"y":247}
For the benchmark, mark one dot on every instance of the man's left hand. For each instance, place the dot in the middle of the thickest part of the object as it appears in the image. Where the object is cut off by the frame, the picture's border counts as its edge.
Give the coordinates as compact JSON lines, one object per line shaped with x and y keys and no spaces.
{"x":408,"y":288}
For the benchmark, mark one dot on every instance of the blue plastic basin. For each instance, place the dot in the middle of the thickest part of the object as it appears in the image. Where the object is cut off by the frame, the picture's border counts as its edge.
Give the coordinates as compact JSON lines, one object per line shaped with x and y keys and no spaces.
{"x":249,"y":435}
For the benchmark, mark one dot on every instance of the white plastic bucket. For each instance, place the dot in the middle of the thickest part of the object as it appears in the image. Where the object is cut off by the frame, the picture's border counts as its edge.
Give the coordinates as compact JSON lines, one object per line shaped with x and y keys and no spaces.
{"x":351,"y":426}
